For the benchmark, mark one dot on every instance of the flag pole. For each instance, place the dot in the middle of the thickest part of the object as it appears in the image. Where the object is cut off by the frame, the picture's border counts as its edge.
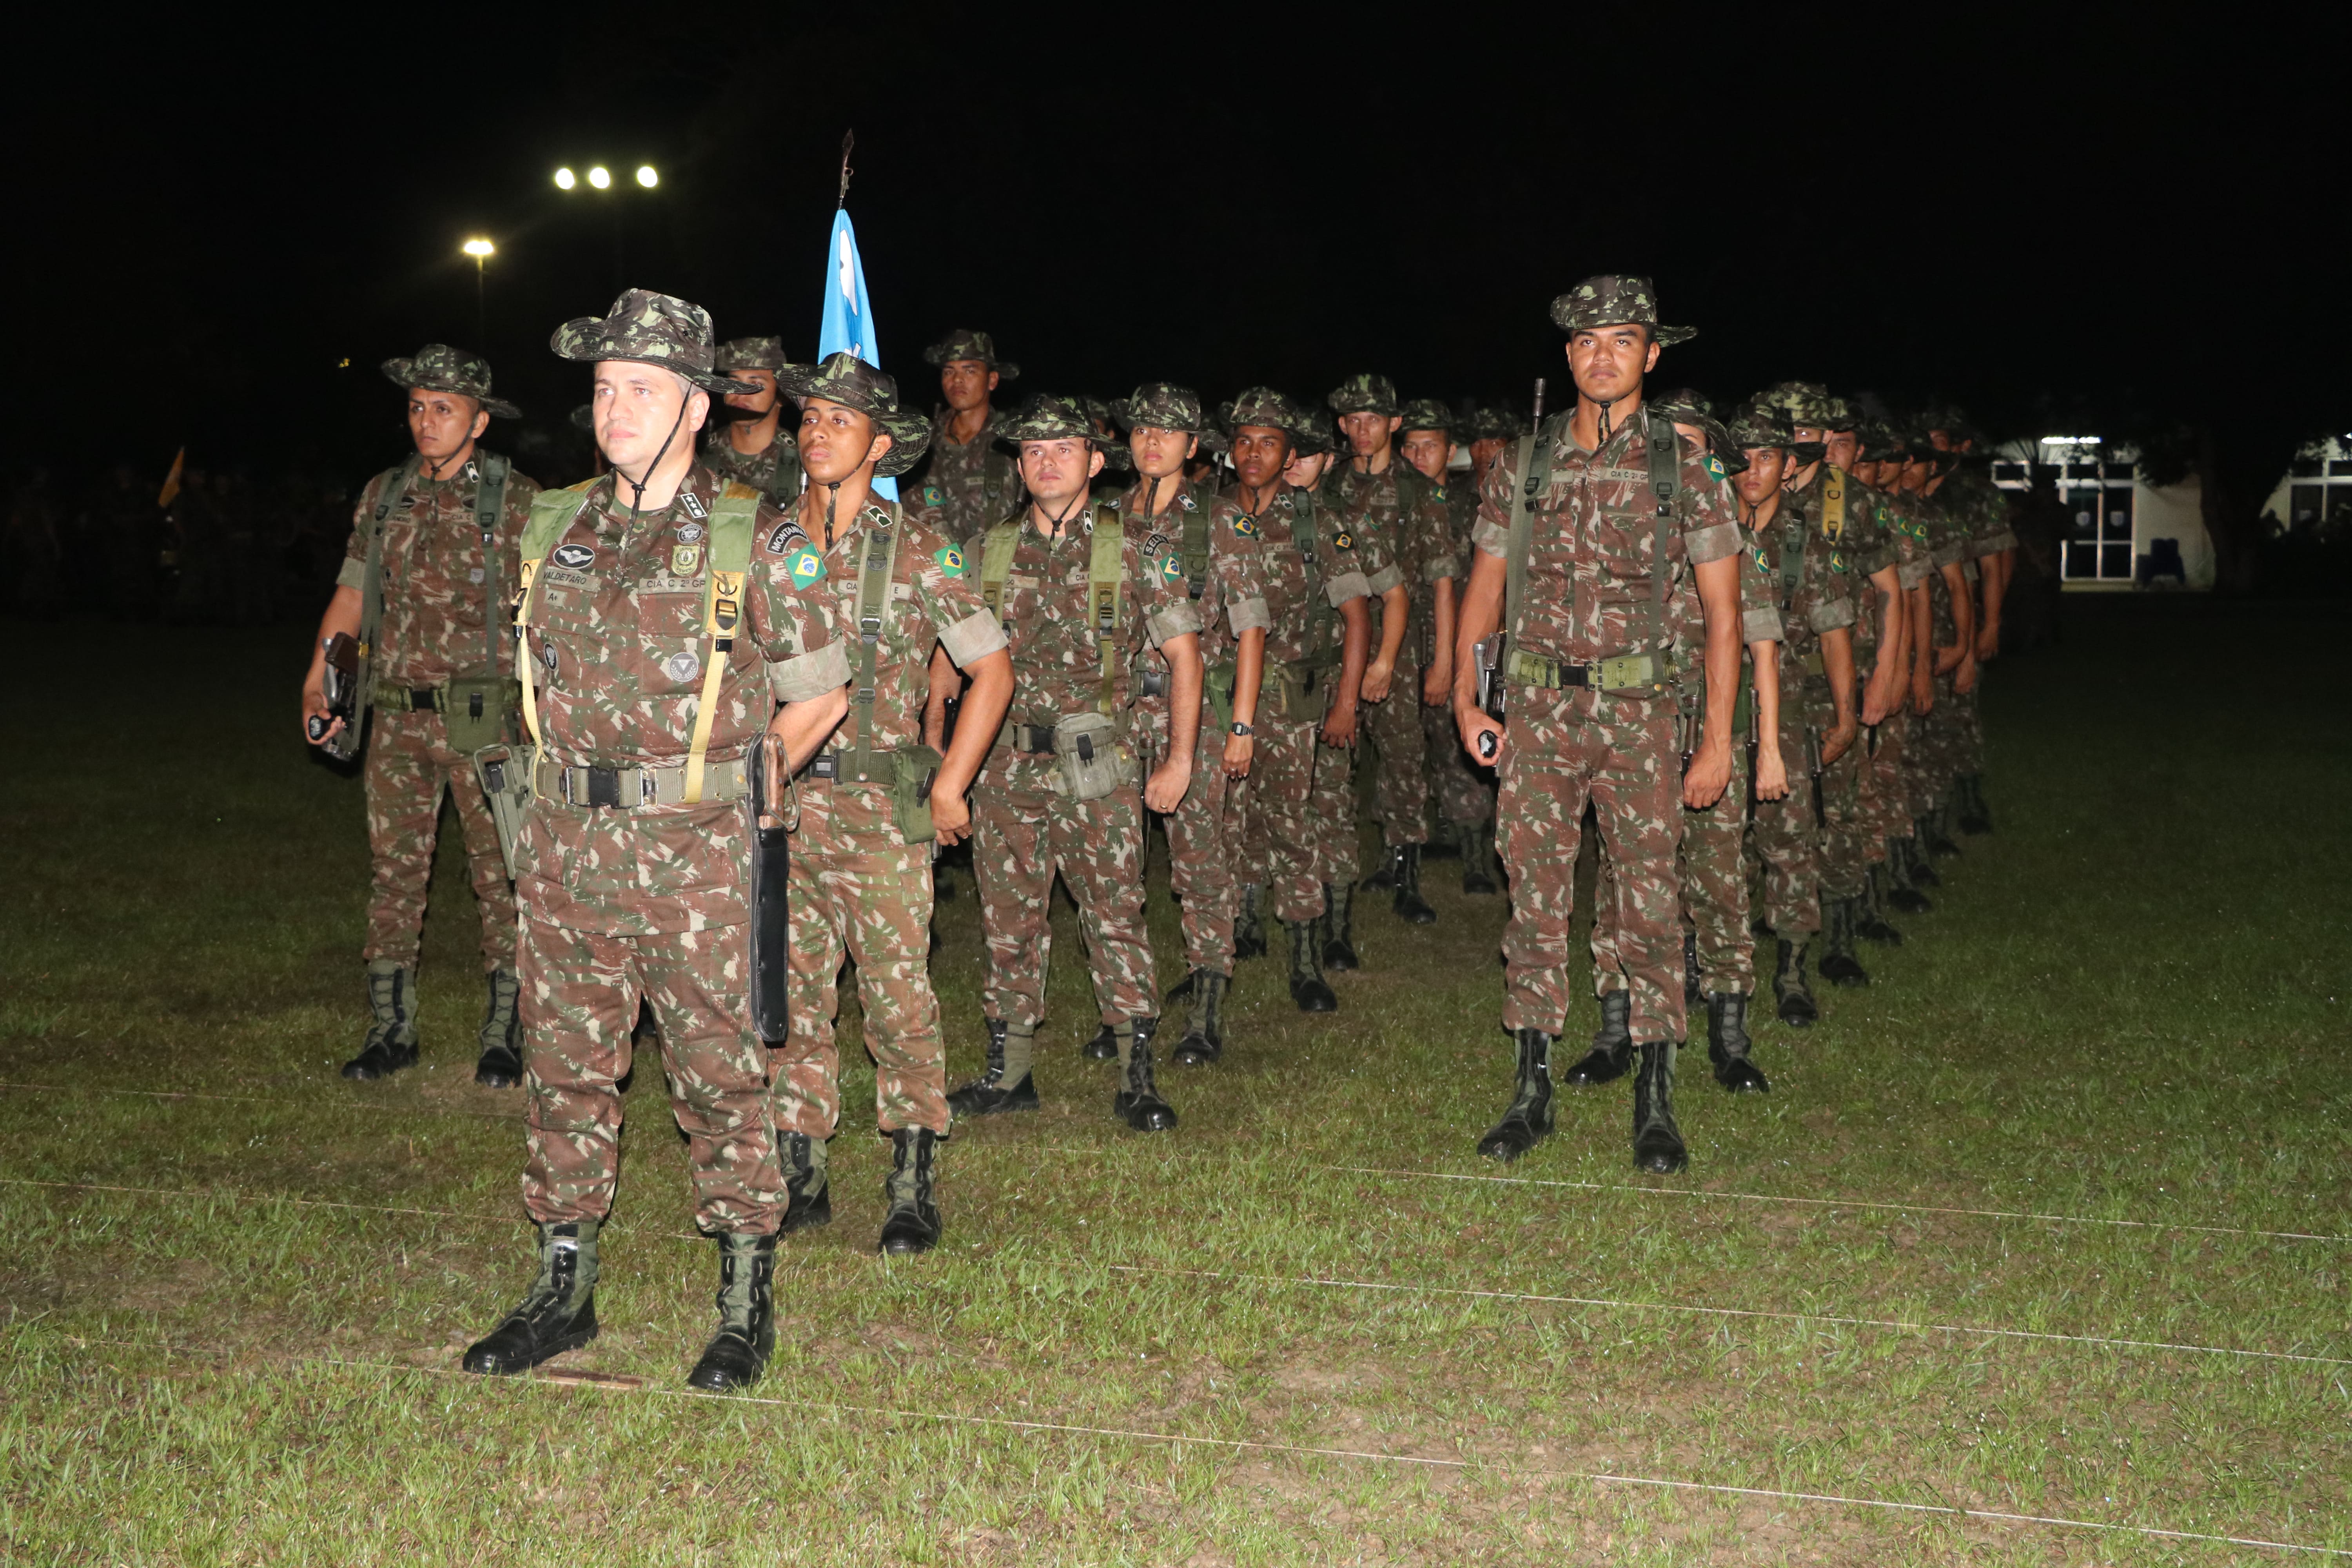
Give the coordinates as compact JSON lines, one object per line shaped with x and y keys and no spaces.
{"x":848,"y":140}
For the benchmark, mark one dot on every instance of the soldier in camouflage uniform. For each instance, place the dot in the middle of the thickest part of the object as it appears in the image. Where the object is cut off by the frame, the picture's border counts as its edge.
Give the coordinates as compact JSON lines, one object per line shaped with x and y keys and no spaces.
{"x":1945,"y":659}
{"x":1907,"y":873}
{"x":1953,"y":597}
{"x":1080,"y":598}
{"x":1983,"y":514}
{"x":971,"y":481}
{"x":1163,"y":424}
{"x":1588,"y":684}
{"x":1381,"y":499}
{"x":755,"y":445}
{"x":1299,"y":838}
{"x":1465,"y":791}
{"x":438,"y":568}
{"x":861,"y":859}
{"x":633,"y":863}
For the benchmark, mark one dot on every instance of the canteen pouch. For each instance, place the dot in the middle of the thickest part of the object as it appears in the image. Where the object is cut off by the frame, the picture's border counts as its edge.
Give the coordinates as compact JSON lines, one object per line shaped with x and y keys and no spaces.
{"x":1300,"y":690}
{"x":1217,"y":684}
{"x":477,"y":710}
{"x":918,"y":767}
{"x":1089,"y":757}
{"x":504,"y":773}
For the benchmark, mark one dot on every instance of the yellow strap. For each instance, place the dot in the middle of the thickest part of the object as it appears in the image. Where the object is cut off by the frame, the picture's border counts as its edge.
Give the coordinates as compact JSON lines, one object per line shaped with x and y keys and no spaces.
{"x":522,"y":653}
{"x":1832,"y":503}
{"x":726,"y":610}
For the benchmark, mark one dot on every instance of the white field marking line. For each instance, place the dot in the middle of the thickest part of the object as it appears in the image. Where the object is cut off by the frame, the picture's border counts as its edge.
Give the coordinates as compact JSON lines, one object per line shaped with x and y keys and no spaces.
{"x":1734,"y":1312}
{"x":1840,"y":1203}
{"x":233,"y":1196}
{"x":1176,"y":1439}
{"x":290,"y":1102}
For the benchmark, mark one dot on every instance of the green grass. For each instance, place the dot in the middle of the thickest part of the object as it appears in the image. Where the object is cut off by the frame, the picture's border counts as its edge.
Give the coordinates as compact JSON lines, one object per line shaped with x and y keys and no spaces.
{"x":232,"y":1314}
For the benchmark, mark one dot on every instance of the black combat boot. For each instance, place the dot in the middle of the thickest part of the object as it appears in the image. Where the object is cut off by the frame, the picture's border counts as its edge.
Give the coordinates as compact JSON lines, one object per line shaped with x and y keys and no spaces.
{"x":1181,"y":991}
{"x":1839,"y":966}
{"x":1385,"y":878}
{"x":1338,"y":929}
{"x":1902,"y":873}
{"x":1478,"y":861}
{"x":1006,"y":1085}
{"x":500,"y":1066}
{"x":913,"y":1224}
{"x":1936,"y":832}
{"x":808,"y":1194}
{"x":1919,"y":854}
{"x":1204,"y":1030}
{"x":1727,"y":1043}
{"x":1308,"y":986}
{"x":1528,"y":1120}
{"x":1789,"y":985}
{"x":1613,"y":1046}
{"x":1444,"y":839}
{"x":1870,"y":924}
{"x":391,"y":1043}
{"x":1103,"y":1048}
{"x":560,"y":1312}
{"x":738,"y":1354}
{"x":1691,"y":992}
{"x":1658,"y":1146}
{"x":1138,"y":1102}
{"x":1976,"y":818}
{"x":1249,"y":926}
{"x":1410,"y":905}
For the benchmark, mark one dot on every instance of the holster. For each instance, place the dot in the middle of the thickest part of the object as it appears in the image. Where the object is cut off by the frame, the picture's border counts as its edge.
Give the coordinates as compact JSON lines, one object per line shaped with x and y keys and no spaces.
{"x":1217,"y":686}
{"x":504,"y":771}
{"x":771,"y":916}
{"x":917,"y":768}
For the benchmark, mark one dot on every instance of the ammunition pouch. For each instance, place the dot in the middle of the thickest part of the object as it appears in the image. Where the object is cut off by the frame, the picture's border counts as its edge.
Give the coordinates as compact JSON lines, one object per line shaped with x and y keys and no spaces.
{"x":480,"y":711}
{"x":917,"y":768}
{"x":504,"y":771}
{"x":1301,"y":692}
{"x":1091,"y":760}
{"x":1217,"y":686}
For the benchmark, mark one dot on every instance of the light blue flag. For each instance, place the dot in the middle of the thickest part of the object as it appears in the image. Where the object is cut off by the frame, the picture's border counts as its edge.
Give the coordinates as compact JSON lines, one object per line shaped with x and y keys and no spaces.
{"x":848,"y":319}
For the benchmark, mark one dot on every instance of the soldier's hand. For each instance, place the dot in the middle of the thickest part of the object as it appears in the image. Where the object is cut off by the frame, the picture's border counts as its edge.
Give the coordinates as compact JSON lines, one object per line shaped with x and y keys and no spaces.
{"x":1240,"y":751}
{"x":1481,"y":736}
{"x":1340,"y":726}
{"x":1875,"y":707}
{"x":950,"y":817}
{"x":1988,"y":642}
{"x":1771,"y":774}
{"x":1168,"y":785}
{"x":1438,"y":686}
{"x":1923,"y":693}
{"x":1708,"y":777}
{"x":314,"y":706}
{"x":1965,"y":680}
{"x":1841,"y":741}
{"x":1378,"y":678}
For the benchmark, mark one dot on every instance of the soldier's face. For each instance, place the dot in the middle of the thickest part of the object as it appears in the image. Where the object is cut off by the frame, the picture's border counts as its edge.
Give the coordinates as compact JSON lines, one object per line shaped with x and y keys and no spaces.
{"x":1762,"y":475}
{"x":1484,"y":451}
{"x":1368,"y":432}
{"x":441,"y":423}
{"x":1057,"y":470}
{"x":755,"y":403}
{"x":1843,"y":445}
{"x":1917,"y":473}
{"x":1609,"y":362}
{"x":1159,"y":453}
{"x":1940,"y":440}
{"x":636,"y":406}
{"x":965,"y":384}
{"x":1305,"y":468}
{"x":1259,"y":453}
{"x":835,"y":440}
{"x":1427,"y":450}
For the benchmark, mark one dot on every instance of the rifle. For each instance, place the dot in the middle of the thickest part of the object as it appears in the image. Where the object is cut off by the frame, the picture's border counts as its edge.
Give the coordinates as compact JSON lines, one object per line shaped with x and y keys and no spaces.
{"x":771,"y":918}
{"x":1813,"y":767}
{"x":340,"y":680}
{"x":1487,"y":654}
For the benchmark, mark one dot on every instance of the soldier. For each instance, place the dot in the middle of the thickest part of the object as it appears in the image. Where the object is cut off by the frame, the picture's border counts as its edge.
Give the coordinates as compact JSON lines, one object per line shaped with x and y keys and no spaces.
{"x":864,"y":594}
{"x":1300,"y":840}
{"x":1952,"y":532}
{"x":1079,"y":597}
{"x":972,"y":482}
{"x":1908,"y":875}
{"x":433,"y":545}
{"x":754,"y":443}
{"x":1597,"y":541}
{"x":1465,"y":791}
{"x":1221,"y":577}
{"x":1992,"y":545}
{"x":1377,"y":499}
{"x":633,"y":863}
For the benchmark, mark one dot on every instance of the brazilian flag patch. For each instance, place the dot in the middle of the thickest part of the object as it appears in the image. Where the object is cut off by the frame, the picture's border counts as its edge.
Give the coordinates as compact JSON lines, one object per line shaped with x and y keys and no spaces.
{"x":931,"y":496}
{"x":1762,"y":564}
{"x":1714,"y":465}
{"x":1344,"y":539}
{"x":1246,"y":526}
{"x":807,"y":566}
{"x":1171,"y":569}
{"x":950,"y":561}
{"x":1837,"y":559}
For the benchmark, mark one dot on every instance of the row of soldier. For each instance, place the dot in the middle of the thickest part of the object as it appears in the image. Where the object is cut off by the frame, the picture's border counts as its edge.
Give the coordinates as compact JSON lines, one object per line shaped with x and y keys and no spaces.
{"x":634,"y":686}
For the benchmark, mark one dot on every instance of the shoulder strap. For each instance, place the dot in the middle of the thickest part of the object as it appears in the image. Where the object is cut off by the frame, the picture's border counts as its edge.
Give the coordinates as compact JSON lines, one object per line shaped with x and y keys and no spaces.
{"x":730,"y":520}
{"x":874,"y":572}
{"x":395,"y":485}
{"x":996,"y":562}
{"x":1196,"y":538}
{"x":1664,"y":447}
{"x":490,"y":500}
{"x":1303,"y":524}
{"x":1105,"y":566}
{"x":1535,"y":477}
{"x":784,"y":483}
{"x":1833,"y":483}
{"x":552,"y":512}
{"x":1793,"y":555}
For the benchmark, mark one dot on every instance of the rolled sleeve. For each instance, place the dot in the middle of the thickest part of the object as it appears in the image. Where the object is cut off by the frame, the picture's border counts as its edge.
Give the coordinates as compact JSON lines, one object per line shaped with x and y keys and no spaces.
{"x":1761,"y":624}
{"x":1994,"y":544}
{"x":1951,"y":554}
{"x":1177,"y":620}
{"x":1381,"y":581}
{"x":1438,"y":569}
{"x":1714,"y":543}
{"x":1492,"y":539}
{"x":1249,"y":615}
{"x":1832,"y":615}
{"x":353,"y":574}
{"x":1910,"y":575}
{"x":810,"y":675}
{"x":1347,"y":585}
{"x":975,"y":636}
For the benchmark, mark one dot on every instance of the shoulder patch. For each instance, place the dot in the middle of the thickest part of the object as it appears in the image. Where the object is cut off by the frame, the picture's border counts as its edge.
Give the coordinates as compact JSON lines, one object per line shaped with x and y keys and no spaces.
{"x":573,"y":557}
{"x":807,"y":566}
{"x":1837,"y":560}
{"x":950,"y":561}
{"x":1713,"y":466}
{"x":1171,"y":569}
{"x":1245,"y":525}
{"x":931,"y":496}
{"x":1761,"y":563}
{"x":1344,"y":539}
{"x":783,"y":536}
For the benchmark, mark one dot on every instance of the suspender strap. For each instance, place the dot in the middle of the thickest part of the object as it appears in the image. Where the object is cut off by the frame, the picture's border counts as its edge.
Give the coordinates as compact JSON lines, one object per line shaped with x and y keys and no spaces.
{"x":1320,"y":613}
{"x":996,"y":562}
{"x":490,"y":500}
{"x":396,"y":485}
{"x":552,"y":512}
{"x":1535,"y":471}
{"x":1793,"y":555}
{"x":1106,"y":564}
{"x":1196,"y":539}
{"x":873,"y":594}
{"x":1832,"y":503}
{"x":722,"y":613}
{"x":1665,"y":455}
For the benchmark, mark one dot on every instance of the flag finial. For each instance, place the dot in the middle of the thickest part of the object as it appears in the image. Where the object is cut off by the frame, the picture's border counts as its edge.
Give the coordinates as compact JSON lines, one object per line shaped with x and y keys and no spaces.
{"x":848,"y":140}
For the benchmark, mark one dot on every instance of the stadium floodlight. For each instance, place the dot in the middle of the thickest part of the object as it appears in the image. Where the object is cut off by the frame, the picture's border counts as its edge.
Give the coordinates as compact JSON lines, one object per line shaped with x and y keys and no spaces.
{"x":601,"y":177}
{"x":646,"y":177}
{"x":565,"y":179}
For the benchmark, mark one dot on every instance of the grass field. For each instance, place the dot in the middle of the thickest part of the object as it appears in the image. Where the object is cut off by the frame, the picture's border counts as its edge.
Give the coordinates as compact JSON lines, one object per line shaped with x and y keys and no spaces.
{"x":2050,"y":1225}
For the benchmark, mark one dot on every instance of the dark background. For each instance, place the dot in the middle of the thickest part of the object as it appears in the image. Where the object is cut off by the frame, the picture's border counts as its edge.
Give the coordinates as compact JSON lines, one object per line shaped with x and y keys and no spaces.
{"x":2116,"y":219}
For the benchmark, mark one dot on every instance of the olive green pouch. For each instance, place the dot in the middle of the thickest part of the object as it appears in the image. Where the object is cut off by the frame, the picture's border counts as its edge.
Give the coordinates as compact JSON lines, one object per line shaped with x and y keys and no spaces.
{"x":504,"y":773}
{"x":918,"y":767}
{"x":479,"y":710}
{"x":1218,"y":683}
{"x":1090,"y":758}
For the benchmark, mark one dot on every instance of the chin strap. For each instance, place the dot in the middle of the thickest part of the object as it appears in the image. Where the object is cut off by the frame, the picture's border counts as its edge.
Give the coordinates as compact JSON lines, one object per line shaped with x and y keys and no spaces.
{"x":1606,"y":404}
{"x":637,"y":486}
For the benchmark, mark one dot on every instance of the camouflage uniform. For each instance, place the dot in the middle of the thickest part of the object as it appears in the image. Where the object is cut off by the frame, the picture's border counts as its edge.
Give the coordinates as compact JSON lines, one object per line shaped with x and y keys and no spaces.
{"x":968,"y":485}
{"x":1893,"y":766}
{"x":1982,"y":517}
{"x":1943,"y":733}
{"x":775,"y":469}
{"x":1025,"y":827}
{"x":1465,"y":788}
{"x":1855,"y":551}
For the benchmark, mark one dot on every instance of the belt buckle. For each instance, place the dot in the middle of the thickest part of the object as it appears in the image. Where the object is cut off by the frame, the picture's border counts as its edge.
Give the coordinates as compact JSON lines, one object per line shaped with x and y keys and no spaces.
{"x":603,"y":787}
{"x":826,"y":766}
{"x":1623,"y":672}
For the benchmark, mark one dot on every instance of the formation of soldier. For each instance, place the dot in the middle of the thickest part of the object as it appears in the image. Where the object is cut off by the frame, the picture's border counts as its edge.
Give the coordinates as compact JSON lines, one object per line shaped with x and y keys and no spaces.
{"x":709,"y":717}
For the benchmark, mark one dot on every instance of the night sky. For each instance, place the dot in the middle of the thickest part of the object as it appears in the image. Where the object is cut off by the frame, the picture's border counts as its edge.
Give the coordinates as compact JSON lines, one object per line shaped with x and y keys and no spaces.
{"x":2093,"y":222}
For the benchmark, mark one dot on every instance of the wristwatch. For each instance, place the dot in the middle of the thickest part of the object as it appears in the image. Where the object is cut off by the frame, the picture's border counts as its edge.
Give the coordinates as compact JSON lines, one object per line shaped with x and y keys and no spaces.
{"x":1242,"y":730}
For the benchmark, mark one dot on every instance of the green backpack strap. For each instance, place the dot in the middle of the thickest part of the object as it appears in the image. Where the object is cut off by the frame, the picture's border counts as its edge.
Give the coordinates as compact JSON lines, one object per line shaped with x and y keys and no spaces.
{"x":996,"y":562}
{"x":874,"y":571}
{"x":552,"y":512}
{"x":490,"y":500}
{"x":1319,"y":612}
{"x":1196,"y":539}
{"x":1106,"y":565}
{"x":729,"y":523}
{"x":1664,"y":449}
{"x":395,"y":485}
{"x":1793,"y":555}
{"x":784,"y":485}
{"x":1535,"y":469}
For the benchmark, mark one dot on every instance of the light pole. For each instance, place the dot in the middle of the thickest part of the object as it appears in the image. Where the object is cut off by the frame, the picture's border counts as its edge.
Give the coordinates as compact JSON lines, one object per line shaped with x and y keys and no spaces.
{"x":600,"y":179}
{"x":481,"y":250}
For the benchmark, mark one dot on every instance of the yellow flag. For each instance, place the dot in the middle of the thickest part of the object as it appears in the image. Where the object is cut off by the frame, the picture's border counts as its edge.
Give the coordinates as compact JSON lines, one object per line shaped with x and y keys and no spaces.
{"x":171,"y":480}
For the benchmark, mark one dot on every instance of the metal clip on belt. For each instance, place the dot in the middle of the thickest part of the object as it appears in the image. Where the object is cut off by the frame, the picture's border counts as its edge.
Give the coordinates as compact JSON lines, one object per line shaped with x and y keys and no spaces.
{"x":408,"y":699}
{"x":1034,"y":740}
{"x":627,"y":788}
{"x":1619,"y":672}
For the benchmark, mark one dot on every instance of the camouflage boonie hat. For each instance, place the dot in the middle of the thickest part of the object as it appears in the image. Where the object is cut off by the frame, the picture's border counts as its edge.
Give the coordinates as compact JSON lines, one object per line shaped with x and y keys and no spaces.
{"x":1428,"y":414}
{"x":649,"y":329}
{"x":1364,"y":395}
{"x":1494,"y":422}
{"x":1315,"y":432}
{"x":1685,"y":407}
{"x":1103,"y":417}
{"x":1753,"y":427}
{"x":1163,"y":406}
{"x":751,"y":354}
{"x":1263,"y":406}
{"x":846,"y":379}
{"x":1949,"y":418}
{"x":1046,"y":417}
{"x":1611,"y":301}
{"x":584,"y":418}
{"x":437,"y":367}
{"x":965,"y":344}
{"x":1881,"y":442}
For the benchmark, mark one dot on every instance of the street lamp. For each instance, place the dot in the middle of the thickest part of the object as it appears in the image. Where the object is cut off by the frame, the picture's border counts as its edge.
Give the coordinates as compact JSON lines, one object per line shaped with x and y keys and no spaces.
{"x":646,"y":177}
{"x":600,"y":178}
{"x":565,"y":179}
{"x":481,"y":250}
